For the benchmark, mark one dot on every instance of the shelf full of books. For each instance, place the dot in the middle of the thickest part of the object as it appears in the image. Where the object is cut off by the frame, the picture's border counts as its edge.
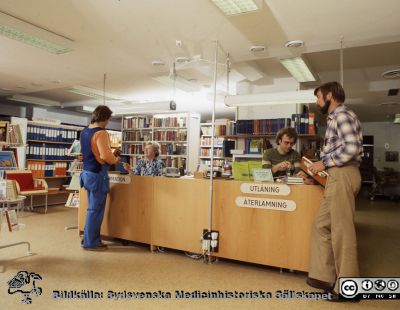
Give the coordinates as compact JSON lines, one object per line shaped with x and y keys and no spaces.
{"x":176,"y":133}
{"x":52,"y":133}
{"x":48,"y":154}
{"x":254,"y":136}
{"x":221,"y":153}
{"x":303,"y":123}
{"x":50,"y":143}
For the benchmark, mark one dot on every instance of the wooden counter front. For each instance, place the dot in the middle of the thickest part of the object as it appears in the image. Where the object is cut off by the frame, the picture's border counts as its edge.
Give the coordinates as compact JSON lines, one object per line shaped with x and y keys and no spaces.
{"x":128,"y":210}
{"x":173,"y":213}
{"x":268,"y":237}
{"x":179,"y":213}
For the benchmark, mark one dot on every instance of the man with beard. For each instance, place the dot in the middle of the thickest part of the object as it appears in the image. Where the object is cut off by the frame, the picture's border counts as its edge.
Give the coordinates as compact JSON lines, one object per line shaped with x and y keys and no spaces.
{"x":334,"y":245}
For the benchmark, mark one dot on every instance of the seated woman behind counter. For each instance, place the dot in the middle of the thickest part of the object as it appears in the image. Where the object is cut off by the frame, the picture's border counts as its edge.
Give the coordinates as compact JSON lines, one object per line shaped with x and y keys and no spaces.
{"x":150,"y":165}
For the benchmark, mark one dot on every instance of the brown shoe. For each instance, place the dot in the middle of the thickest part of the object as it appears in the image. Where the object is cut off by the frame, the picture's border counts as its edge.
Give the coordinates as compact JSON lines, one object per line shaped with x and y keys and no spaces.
{"x":326,"y":286}
{"x":100,"y":247}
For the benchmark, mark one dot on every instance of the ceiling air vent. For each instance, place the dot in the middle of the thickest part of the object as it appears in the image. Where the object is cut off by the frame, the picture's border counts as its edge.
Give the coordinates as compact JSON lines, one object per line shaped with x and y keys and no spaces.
{"x":257,"y":48}
{"x":393,"y":92}
{"x":391,"y":74}
{"x":294,"y":43}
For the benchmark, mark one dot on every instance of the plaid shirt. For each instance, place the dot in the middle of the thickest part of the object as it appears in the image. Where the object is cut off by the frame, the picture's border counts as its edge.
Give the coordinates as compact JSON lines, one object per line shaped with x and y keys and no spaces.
{"x":343,"y":139}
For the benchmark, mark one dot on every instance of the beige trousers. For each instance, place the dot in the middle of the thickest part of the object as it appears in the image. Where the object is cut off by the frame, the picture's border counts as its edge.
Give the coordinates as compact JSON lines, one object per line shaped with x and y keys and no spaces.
{"x":333,"y":241}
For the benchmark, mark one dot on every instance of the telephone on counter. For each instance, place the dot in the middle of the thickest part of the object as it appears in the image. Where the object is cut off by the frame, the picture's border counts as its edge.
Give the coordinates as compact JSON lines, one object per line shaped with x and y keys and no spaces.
{"x":171,"y":172}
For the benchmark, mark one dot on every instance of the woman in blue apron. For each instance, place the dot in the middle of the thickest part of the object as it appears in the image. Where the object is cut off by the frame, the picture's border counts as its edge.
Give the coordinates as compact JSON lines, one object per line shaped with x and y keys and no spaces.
{"x":97,"y":158}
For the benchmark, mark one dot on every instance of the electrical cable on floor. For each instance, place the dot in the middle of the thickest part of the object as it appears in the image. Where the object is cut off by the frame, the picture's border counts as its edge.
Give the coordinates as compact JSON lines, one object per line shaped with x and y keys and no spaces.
{"x":161,"y":249}
{"x":194,"y":255}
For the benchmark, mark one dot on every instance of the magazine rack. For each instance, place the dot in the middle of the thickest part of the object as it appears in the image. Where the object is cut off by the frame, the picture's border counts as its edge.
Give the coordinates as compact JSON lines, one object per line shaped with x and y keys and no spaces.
{"x":4,"y":204}
{"x":75,"y":171}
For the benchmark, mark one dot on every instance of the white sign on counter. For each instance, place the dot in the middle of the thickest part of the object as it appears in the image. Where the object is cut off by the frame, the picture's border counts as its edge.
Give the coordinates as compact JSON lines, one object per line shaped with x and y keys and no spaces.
{"x":266,"y":203}
{"x":266,"y":189}
{"x":119,"y":179}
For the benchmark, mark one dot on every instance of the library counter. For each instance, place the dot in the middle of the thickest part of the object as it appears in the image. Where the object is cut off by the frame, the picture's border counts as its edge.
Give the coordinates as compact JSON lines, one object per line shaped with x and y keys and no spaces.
{"x":262,"y":223}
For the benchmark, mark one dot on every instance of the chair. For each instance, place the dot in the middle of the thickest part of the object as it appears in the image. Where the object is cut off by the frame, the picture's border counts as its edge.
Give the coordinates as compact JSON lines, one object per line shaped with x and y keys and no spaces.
{"x":27,"y":185}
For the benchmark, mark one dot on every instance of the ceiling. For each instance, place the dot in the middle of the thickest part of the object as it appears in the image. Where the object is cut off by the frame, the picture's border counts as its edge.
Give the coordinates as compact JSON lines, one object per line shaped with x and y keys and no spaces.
{"x":121,"y":38}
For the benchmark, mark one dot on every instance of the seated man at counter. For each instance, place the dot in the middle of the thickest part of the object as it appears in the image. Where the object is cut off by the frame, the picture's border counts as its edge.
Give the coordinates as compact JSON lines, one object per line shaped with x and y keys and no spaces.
{"x":150,"y":165}
{"x":283,"y":157}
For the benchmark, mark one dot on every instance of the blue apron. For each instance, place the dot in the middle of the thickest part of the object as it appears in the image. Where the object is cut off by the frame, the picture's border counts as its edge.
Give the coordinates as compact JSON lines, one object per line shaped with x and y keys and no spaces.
{"x":97,"y":186}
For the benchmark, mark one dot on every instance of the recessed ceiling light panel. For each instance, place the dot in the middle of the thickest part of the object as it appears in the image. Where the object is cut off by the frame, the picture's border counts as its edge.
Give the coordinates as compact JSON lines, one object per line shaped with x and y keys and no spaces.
{"x":26,"y":32}
{"x":235,"y":7}
{"x":298,"y":69}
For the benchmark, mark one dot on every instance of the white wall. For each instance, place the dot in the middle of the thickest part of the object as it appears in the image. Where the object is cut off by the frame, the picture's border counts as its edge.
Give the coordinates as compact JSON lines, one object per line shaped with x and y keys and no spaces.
{"x":268,"y":112}
{"x":12,"y":110}
{"x":69,"y":117}
{"x":383,"y":132}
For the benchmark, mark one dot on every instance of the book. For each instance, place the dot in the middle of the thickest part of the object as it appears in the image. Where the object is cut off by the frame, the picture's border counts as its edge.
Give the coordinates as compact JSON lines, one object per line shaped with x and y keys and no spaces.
{"x":3,"y":132}
{"x":294,"y":180}
{"x":311,"y":125}
{"x":321,"y":177}
{"x":12,"y":220}
{"x":75,"y":148}
{"x":3,"y":189}
{"x":75,"y":182}
{"x":255,"y":146}
{"x":73,"y":200}
{"x":243,"y":170}
{"x":7,"y":160}
{"x":12,"y":193}
{"x":14,"y":135}
{"x":76,"y":165}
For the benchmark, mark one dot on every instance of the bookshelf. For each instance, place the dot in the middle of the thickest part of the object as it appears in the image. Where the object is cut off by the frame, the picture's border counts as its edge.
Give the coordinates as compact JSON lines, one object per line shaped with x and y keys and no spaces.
{"x":221,"y":156}
{"x":253,"y":136}
{"x":177,"y":134}
{"x":47,"y":156}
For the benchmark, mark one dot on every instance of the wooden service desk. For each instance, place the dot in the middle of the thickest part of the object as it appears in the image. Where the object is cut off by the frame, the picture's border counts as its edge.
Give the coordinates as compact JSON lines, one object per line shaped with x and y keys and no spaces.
{"x":265,"y":236}
{"x":172,"y":213}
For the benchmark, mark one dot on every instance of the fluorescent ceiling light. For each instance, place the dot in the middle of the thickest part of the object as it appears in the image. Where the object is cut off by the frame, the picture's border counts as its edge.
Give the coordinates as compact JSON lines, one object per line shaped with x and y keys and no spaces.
{"x":147,"y":107}
{"x":25,"y":32}
{"x":234,"y":7}
{"x":298,"y":69}
{"x":34,"y":100}
{"x":86,"y":108}
{"x":290,"y":97}
{"x":93,"y":93}
{"x":180,"y":83}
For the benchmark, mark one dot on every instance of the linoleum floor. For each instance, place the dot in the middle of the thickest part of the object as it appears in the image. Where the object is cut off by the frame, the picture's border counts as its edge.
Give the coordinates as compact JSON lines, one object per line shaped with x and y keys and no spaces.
{"x":64,"y":266}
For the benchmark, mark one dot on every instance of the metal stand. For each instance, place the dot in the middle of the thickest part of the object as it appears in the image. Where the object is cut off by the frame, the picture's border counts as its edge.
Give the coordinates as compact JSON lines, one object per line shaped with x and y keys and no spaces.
{"x":71,"y":227}
{"x":29,"y":253}
{"x":20,"y":202}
